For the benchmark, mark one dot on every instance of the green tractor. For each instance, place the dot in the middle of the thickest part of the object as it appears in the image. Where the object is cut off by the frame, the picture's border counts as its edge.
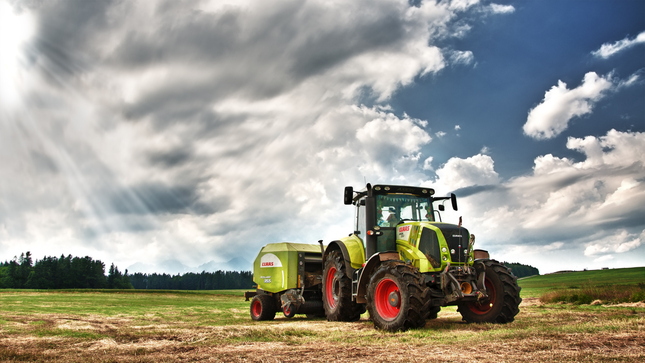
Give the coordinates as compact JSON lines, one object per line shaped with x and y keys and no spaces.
{"x":401,"y":264}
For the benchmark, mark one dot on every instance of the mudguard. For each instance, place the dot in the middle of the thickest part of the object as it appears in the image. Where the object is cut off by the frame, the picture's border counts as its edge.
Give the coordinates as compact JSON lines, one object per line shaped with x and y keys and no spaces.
{"x":370,"y":266}
{"x":353,"y":252}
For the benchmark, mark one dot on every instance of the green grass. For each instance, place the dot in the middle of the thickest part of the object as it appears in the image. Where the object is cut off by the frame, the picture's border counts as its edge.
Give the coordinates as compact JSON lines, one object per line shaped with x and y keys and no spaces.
{"x":537,"y":286}
{"x":201,"y":308}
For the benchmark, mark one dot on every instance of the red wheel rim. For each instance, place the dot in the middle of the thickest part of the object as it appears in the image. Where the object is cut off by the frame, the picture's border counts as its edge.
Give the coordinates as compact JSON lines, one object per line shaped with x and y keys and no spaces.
{"x":256,"y":308}
{"x":482,"y":309}
{"x":287,"y":310}
{"x":386,"y":289}
{"x":329,"y":288}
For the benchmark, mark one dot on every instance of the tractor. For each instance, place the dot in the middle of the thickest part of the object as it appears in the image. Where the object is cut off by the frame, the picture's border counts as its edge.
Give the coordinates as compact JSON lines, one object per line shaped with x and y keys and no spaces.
{"x":401,"y":264}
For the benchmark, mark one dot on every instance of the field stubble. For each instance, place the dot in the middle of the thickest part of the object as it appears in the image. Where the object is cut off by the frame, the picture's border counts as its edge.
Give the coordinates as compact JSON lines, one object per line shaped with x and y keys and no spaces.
{"x":133,"y":327}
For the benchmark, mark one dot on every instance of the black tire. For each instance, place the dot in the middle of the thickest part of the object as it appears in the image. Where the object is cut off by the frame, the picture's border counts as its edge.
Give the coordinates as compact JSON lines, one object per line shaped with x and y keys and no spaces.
{"x":289,"y":311}
{"x":504,"y":295}
{"x":394,"y":297}
{"x":263,"y":307}
{"x":433,"y":313}
{"x":337,"y":291}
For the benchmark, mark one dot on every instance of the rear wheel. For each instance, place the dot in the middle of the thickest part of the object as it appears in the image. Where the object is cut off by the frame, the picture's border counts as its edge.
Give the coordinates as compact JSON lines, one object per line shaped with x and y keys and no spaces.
{"x":394,"y":297}
{"x":337,"y":291}
{"x":503,"y":297}
{"x":263,"y":307}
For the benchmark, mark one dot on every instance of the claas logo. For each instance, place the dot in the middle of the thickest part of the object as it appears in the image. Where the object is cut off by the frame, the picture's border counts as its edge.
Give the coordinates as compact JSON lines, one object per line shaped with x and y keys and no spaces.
{"x":270,"y":260}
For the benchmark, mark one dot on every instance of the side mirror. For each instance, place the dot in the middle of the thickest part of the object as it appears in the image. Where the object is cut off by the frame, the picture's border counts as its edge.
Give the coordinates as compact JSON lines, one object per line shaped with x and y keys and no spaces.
{"x":453,"y":200}
{"x":349,"y":195}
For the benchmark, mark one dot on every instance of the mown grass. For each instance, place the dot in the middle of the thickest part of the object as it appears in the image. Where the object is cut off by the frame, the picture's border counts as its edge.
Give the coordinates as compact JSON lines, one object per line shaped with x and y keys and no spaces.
{"x":144,"y":326}
{"x":590,"y":294}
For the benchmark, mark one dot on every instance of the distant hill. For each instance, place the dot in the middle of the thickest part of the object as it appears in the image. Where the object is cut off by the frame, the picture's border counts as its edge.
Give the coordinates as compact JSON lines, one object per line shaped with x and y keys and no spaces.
{"x":236,"y":264}
{"x":174,"y":267}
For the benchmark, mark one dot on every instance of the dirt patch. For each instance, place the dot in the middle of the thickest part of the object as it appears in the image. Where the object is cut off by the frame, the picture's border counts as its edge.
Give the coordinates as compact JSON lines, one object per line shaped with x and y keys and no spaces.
{"x":530,"y":301}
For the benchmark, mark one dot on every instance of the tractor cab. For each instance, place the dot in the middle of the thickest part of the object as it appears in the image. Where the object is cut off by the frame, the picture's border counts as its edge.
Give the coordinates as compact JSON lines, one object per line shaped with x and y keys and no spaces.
{"x":403,"y":219}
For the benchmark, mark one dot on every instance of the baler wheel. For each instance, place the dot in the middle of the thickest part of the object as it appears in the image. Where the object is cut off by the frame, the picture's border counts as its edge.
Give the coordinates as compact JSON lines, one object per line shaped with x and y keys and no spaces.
{"x":289,"y":311}
{"x":263,"y":307}
{"x":503,"y":297}
{"x":394,"y":297}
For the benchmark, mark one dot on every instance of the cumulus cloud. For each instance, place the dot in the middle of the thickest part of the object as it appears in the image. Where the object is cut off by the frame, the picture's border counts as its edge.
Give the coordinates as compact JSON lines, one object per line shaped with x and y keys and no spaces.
{"x":501,"y":9}
{"x":619,"y":243}
{"x":164,"y":140}
{"x":608,"y":50}
{"x":460,"y":173}
{"x":427,"y":164}
{"x":560,"y":104}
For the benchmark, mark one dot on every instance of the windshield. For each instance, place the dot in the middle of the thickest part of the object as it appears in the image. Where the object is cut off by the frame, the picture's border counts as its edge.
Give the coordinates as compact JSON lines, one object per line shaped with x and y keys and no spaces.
{"x":392,"y":208}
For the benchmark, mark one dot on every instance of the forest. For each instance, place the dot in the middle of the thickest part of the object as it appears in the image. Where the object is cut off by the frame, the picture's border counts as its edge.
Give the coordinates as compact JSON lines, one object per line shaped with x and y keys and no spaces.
{"x":521,"y":270}
{"x":67,"y":272}
{"x":219,"y":280}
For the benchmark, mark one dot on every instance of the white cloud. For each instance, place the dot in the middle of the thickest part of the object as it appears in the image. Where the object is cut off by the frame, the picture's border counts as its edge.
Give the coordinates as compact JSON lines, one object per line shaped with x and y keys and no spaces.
{"x":461,"y":57}
{"x":462,"y":5}
{"x":619,"y":243}
{"x":608,"y":50}
{"x":440,"y":134}
{"x":560,"y":105}
{"x":427,"y":163}
{"x":501,"y":9}
{"x":459,"y":173}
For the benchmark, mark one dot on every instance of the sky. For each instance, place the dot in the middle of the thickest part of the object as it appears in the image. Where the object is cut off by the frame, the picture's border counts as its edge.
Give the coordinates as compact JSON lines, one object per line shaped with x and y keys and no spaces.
{"x":170,"y":136}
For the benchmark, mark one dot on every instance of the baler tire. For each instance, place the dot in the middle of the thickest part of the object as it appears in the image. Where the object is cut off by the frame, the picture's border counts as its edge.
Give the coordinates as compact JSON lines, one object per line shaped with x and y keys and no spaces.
{"x":504,"y":295}
{"x":337,"y":291}
{"x":394,"y":297}
{"x":263,"y":307}
{"x":289,"y":311}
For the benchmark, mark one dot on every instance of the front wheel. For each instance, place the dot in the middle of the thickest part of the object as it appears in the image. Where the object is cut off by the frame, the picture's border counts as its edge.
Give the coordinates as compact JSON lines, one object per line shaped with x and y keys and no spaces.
{"x":337,"y":291}
{"x":503,"y":297}
{"x":394,"y":297}
{"x":263,"y":307}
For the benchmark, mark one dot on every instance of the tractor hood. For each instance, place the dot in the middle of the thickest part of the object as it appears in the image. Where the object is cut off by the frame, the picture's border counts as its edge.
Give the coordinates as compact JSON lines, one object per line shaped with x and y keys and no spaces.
{"x":440,"y":243}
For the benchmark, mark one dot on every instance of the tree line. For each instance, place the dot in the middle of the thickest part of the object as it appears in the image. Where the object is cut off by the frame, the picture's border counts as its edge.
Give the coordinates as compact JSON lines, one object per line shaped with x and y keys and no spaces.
{"x":67,"y":272}
{"x":219,"y":280}
{"x":521,"y":270}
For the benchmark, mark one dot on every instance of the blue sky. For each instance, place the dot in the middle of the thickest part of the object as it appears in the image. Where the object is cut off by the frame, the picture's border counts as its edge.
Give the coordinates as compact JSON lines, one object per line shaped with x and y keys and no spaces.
{"x":163,"y":136}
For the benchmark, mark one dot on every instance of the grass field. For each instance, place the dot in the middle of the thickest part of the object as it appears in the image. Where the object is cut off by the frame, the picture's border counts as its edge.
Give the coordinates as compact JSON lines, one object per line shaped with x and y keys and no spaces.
{"x":170,"y":326}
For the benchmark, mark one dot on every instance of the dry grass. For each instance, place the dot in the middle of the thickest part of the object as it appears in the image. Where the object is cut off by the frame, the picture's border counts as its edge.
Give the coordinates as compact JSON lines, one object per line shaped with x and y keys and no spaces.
{"x":588,"y":294}
{"x":541,"y":332}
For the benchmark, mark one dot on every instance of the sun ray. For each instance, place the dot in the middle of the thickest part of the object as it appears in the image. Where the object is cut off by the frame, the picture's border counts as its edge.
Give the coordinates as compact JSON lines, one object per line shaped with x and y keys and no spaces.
{"x":16,"y":29}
